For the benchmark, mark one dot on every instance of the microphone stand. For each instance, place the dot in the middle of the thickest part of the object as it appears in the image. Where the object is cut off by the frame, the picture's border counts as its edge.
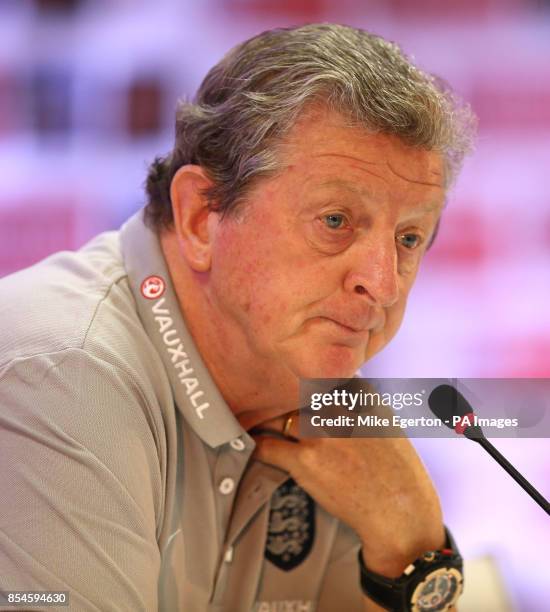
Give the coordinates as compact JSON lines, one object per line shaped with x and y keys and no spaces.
{"x":475,"y":434}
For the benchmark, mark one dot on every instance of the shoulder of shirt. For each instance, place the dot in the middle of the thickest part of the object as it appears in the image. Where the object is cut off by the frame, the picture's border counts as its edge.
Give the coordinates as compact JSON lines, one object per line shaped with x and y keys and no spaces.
{"x":50,"y":306}
{"x":76,"y":300}
{"x":72,"y":343}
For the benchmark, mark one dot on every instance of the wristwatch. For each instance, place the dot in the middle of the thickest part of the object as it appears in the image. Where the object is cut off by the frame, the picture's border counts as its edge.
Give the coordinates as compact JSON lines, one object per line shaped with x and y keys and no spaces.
{"x":431,"y":583}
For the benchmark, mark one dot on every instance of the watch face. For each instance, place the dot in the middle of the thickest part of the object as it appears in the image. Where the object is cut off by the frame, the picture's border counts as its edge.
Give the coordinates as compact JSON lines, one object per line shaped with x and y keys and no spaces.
{"x":439,"y":590}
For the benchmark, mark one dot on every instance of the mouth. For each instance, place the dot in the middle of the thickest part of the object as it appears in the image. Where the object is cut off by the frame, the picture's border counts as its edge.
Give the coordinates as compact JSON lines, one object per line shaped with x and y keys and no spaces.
{"x":343,"y":333}
{"x":348,"y":327}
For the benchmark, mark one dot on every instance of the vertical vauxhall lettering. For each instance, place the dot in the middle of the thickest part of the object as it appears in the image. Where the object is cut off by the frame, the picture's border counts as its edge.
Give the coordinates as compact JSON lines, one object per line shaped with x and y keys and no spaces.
{"x":179,"y":357}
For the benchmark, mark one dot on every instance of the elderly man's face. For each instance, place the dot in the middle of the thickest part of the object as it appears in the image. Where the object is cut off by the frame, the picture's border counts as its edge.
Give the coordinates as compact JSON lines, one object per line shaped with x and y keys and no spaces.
{"x":317,"y":270}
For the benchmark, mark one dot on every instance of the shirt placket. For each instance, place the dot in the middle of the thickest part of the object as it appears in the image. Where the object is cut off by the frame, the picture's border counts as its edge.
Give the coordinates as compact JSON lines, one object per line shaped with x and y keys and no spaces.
{"x":243,"y":550}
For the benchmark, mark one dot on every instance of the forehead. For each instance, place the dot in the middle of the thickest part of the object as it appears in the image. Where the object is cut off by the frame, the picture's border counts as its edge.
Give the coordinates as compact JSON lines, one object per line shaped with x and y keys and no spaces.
{"x":322,"y":143}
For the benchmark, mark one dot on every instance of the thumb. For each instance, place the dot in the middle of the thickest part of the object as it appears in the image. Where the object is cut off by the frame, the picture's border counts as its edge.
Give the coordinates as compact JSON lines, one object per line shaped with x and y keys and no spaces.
{"x":277,"y":452}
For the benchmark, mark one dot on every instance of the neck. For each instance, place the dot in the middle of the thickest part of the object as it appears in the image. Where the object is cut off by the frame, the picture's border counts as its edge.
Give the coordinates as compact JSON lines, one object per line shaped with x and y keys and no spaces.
{"x":255,"y":390}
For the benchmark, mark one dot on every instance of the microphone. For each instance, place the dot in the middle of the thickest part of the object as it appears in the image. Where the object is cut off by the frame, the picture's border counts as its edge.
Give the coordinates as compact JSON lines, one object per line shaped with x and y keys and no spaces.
{"x":449,"y":405}
{"x":454,"y":410}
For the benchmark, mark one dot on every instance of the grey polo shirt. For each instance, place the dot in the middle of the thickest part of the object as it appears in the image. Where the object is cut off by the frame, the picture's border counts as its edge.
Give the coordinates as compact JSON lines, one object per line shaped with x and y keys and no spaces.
{"x":125,"y":479}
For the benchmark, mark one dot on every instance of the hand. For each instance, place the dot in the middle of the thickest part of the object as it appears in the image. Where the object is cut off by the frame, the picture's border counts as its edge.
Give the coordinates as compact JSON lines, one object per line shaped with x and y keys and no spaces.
{"x":378,"y":486}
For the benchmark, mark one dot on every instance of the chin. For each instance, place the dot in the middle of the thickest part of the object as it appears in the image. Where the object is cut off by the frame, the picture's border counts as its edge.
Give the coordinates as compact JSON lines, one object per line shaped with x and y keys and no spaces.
{"x":332,"y":362}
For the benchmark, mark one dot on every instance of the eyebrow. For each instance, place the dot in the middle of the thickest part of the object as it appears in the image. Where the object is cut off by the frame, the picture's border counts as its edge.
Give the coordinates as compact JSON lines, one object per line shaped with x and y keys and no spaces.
{"x":429,"y":207}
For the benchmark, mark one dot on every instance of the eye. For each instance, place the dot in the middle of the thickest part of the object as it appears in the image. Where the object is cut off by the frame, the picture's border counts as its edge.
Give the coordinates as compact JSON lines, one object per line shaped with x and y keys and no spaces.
{"x":410,"y":241}
{"x":334,"y":220}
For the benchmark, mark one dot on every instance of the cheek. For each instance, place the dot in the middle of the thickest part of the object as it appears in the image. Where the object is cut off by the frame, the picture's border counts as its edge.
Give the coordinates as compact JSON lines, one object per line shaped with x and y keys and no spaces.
{"x":248,"y":287}
{"x":394,"y":317}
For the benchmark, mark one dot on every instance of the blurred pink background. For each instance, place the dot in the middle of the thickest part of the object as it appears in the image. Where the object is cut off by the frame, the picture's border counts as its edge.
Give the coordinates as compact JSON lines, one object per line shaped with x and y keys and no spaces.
{"x":87,"y":97}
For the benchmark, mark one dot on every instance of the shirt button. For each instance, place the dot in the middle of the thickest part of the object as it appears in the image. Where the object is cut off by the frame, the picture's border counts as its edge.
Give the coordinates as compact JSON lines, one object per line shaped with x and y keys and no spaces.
{"x":237,"y":444}
{"x":226,"y":486}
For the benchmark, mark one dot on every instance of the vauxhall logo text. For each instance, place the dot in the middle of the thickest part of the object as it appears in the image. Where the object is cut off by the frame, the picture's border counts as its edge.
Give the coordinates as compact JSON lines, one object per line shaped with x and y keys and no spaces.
{"x":179,"y":357}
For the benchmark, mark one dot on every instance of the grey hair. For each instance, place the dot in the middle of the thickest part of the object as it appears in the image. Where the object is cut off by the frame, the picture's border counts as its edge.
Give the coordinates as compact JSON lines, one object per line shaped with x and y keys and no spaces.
{"x":250,"y":100}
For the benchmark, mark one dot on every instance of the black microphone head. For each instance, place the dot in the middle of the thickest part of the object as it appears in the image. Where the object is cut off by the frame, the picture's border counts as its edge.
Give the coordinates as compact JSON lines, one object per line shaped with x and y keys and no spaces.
{"x":447,"y":402}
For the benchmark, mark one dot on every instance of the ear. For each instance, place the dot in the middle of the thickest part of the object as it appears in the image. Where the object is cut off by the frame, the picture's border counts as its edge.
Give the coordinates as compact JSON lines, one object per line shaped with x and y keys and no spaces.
{"x":193,"y":222}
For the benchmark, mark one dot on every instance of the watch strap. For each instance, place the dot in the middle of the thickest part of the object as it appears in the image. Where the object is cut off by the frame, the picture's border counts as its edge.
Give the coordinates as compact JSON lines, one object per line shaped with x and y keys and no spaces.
{"x":391,"y":593}
{"x":386,"y":592}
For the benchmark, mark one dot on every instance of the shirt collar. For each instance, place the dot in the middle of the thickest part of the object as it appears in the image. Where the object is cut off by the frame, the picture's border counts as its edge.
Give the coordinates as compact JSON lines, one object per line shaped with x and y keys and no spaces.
{"x":196,"y":395}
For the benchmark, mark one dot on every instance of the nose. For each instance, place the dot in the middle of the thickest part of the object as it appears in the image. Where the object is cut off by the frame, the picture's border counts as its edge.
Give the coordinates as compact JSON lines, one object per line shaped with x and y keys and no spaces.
{"x":373,"y":270}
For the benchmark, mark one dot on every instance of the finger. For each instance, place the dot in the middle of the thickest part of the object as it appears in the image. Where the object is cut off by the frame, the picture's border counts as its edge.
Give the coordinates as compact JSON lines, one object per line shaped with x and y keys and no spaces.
{"x":291,"y":425}
{"x":281,"y":453}
{"x":285,"y":426}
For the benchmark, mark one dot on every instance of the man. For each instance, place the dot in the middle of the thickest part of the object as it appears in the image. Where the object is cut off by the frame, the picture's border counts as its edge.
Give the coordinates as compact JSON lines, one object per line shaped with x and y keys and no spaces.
{"x":148,"y":381}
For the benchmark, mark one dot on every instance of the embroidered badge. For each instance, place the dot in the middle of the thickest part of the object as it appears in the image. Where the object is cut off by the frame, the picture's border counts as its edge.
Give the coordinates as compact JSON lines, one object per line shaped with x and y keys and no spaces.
{"x":291,"y":529}
{"x":153,"y":287}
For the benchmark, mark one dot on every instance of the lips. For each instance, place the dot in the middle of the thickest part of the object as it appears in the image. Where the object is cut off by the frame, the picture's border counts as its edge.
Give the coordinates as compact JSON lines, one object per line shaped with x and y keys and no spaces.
{"x":354,"y":326}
